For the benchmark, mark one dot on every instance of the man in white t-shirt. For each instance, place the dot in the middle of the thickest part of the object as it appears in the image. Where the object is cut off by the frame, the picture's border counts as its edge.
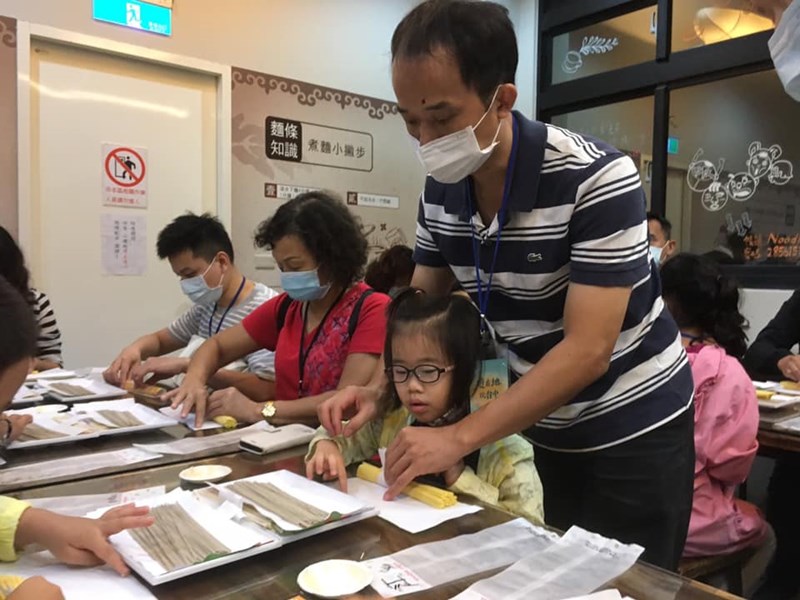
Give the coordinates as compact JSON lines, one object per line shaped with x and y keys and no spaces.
{"x":200,"y":252}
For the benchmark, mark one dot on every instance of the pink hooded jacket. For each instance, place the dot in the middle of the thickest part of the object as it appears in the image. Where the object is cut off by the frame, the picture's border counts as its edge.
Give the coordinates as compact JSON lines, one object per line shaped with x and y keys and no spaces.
{"x":726,"y":424}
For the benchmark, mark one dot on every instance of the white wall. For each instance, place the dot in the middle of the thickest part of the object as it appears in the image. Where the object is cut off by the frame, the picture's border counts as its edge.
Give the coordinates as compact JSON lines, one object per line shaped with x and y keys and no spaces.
{"x":333,"y":43}
{"x":342,"y":44}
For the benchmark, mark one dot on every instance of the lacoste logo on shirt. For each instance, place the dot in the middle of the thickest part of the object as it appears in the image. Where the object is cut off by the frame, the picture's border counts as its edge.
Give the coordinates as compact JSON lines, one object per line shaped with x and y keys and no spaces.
{"x":534,"y":257}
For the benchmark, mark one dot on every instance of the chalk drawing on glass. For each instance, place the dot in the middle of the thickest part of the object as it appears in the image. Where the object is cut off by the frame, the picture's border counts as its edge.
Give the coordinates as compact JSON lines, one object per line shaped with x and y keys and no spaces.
{"x":703,"y":177}
{"x":594,"y":44}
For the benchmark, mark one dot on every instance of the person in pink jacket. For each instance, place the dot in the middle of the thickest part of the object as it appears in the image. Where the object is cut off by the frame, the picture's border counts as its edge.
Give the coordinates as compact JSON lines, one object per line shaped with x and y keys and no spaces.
{"x":705,"y":304}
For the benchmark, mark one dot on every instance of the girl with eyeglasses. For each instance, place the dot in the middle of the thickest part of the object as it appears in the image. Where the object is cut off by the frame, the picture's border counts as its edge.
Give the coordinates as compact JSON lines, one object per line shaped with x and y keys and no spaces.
{"x":432,"y":361}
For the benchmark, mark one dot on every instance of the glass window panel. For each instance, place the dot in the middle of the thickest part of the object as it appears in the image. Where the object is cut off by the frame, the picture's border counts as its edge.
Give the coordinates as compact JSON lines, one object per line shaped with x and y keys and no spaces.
{"x":627,"y":126}
{"x":605,"y":46}
{"x":703,"y":22}
{"x":733,"y":187}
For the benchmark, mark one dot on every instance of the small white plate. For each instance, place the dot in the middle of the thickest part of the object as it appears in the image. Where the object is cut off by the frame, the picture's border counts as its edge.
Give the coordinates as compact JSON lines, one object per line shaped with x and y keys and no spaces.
{"x":334,"y":578}
{"x":205,"y":473}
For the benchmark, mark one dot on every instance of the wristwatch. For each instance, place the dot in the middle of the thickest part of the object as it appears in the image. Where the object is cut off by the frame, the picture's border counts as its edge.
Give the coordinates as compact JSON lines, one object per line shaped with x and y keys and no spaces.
{"x":268,"y":411}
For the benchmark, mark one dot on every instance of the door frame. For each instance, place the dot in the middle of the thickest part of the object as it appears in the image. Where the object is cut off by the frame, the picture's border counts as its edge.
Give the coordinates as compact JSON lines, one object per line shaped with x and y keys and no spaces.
{"x":26,"y":32}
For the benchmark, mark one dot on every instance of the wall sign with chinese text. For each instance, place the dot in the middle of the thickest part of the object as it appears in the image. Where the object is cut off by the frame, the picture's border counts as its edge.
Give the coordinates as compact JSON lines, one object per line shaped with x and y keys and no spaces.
{"x":124,"y":176}
{"x":123,"y":244}
{"x":282,"y":191}
{"x":372,"y":200}
{"x":312,"y":144}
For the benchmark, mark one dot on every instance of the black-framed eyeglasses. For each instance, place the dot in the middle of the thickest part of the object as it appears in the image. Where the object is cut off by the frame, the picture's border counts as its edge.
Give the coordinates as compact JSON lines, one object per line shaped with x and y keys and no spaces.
{"x":423,"y":373}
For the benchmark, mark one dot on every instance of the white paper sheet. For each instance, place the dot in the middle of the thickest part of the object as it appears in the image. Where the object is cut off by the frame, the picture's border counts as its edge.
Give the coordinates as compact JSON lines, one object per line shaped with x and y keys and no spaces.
{"x":73,"y":465}
{"x":188,"y":420}
{"x":202,"y":444}
{"x":123,"y":244}
{"x":27,"y":395}
{"x":50,"y":374}
{"x":79,"y":505}
{"x":436,"y":563}
{"x":580,"y":562}
{"x":405,"y":512}
{"x":95,"y":583}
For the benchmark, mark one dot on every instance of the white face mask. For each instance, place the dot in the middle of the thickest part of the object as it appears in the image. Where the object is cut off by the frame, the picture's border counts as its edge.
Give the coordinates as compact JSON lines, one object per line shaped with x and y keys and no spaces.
{"x":784,"y":46}
{"x":451,"y":158}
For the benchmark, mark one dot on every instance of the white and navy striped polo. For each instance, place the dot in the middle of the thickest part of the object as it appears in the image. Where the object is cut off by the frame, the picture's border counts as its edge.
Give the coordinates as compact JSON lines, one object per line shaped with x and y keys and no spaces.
{"x":576,"y":213}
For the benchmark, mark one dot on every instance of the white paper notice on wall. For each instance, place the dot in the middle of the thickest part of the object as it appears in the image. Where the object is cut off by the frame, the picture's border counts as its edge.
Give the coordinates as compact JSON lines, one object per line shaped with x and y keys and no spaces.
{"x":123,"y":244}
{"x":124,"y":176}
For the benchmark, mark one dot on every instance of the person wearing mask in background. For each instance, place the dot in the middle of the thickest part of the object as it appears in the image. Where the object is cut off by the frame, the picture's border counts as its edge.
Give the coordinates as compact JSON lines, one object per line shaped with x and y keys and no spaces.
{"x":48,"y":342}
{"x":391,"y":271}
{"x":662,"y":246}
{"x":72,"y":540}
{"x":547,"y":232}
{"x":201,"y":255}
{"x":327,"y":329}
{"x":770,"y":355}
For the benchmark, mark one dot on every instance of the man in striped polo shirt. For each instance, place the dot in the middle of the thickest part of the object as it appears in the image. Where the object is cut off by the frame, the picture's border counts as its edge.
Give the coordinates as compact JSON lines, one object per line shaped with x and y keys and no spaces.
{"x":200,"y":252}
{"x":546,"y":230}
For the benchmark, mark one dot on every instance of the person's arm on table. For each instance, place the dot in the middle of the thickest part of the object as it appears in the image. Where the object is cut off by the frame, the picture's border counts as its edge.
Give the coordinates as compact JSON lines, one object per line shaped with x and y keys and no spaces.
{"x":358,"y":368}
{"x":152,"y":344}
{"x":225,"y":347}
{"x":593,"y":319}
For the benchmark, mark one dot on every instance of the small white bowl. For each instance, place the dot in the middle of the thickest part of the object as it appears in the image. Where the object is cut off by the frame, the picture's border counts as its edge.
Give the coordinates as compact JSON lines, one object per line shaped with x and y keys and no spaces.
{"x":334,"y":578}
{"x":205,"y":473}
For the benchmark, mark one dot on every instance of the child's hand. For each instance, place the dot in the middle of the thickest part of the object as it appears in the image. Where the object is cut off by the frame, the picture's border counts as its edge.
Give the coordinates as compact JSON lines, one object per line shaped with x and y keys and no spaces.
{"x":79,"y":541}
{"x":453,"y":473}
{"x":327,"y":462}
{"x":36,"y":588}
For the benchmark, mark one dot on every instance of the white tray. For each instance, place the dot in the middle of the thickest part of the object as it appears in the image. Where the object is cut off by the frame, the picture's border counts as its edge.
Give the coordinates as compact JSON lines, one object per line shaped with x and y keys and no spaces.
{"x":78,"y":431}
{"x":99,"y":388}
{"x":227,"y":515}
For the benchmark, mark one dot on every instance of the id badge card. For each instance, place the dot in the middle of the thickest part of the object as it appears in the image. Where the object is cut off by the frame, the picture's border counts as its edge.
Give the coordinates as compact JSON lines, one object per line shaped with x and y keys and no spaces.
{"x":493,"y":382}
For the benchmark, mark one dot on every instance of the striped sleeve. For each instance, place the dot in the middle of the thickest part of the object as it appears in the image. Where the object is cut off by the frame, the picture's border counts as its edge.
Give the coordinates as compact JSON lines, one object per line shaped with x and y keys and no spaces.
{"x":426,"y":251}
{"x":608,"y":231}
{"x":48,"y":344}
{"x":262,"y":363}
{"x":187,"y":325}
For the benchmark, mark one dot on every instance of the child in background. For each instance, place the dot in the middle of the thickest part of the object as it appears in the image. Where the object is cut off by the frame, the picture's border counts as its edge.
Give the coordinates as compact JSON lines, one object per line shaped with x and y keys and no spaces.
{"x":432,"y":358}
{"x":391,"y":271}
{"x":705,"y":304}
{"x":73,"y":540}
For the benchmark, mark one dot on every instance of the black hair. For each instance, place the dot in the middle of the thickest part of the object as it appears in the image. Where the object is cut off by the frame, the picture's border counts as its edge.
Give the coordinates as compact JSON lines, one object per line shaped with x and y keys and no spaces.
{"x":395,"y":264}
{"x":203,"y":234}
{"x":700,"y":295}
{"x":452,"y":323}
{"x":479,"y":36}
{"x":666,"y":226}
{"x":325,"y":226}
{"x":18,"y":326}
{"x":12,"y":265}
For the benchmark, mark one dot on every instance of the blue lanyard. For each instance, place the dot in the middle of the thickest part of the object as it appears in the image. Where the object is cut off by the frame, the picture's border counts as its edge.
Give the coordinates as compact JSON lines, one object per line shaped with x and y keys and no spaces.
{"x":484,"y":291}
{"x":225,"y":314}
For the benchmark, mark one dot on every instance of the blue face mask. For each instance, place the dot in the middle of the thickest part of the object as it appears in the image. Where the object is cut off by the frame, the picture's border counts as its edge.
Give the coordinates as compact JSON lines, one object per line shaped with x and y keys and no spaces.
{"x":655,"y":252}
{"x":198,"y":290}
{"x":303,"y":285}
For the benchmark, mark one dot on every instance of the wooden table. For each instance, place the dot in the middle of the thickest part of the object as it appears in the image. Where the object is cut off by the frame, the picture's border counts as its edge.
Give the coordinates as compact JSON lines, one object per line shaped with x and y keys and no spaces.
{"x":772,"y":442}
{"x":274,"y":574}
